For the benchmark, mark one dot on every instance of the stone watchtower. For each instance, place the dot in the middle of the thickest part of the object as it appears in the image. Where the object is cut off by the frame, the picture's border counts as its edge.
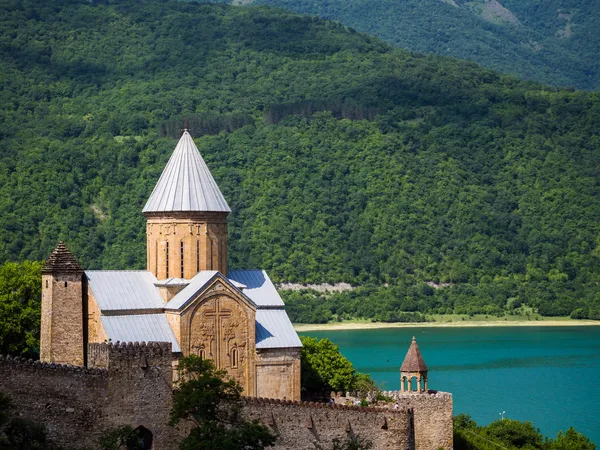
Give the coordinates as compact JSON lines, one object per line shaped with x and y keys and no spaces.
{"x":186,"y":216}
{"x":62,"y":322}
{"x":413,"y":367}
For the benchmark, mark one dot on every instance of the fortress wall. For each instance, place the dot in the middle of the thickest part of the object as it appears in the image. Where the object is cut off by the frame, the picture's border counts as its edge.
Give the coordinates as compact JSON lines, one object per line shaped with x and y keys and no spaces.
{"x":304,"y":425}
{"x":68,"y":400}
{"x":432,"y":417}
{"x":129,"y":385}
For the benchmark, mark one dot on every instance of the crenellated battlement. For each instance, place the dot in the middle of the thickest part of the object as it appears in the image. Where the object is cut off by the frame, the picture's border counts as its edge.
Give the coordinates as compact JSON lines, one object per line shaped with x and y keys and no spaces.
{"x":321,"y":405}
{"x":107,"y":355}
{"x":17,"y":363}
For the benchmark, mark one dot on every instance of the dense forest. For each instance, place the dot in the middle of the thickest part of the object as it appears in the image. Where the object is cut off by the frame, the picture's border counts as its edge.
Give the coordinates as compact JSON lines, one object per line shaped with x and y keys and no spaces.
{"x":552,"y":41}
{"x":342,"y":158}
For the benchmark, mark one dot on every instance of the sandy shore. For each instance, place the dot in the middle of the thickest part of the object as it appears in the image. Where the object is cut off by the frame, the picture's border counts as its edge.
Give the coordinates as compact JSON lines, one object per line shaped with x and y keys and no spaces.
{"x":490,"y":323}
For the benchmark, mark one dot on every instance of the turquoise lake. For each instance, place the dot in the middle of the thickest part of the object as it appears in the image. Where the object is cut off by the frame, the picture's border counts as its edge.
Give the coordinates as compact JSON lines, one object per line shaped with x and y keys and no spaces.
{"x":547,"y":375}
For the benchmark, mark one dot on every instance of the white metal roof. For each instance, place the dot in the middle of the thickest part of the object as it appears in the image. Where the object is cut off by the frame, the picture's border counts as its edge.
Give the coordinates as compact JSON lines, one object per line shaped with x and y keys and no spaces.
{"x":274,"y":330}
{"x":188,"y":292}
{"x":259,"y":287}
{"x":140,"y":328}
{"x":124,"y":289}
{"x":186,"y":184}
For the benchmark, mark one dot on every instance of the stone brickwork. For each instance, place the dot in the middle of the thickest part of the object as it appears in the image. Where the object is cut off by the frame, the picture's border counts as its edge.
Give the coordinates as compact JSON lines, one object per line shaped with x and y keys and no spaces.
{"x":202,"y":235}
{"x":304,"y":425}
{"x":278,"y":373}
{"x":61,"y":331}
{"x":432,"y":417}
{"x":130,"y":384}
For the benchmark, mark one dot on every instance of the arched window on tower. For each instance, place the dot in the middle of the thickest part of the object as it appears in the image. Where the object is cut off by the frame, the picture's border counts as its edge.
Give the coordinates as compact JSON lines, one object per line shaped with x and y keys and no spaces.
{"x":167,"y":260}
{"x":181,"y":257}
{"x":198,"y":255}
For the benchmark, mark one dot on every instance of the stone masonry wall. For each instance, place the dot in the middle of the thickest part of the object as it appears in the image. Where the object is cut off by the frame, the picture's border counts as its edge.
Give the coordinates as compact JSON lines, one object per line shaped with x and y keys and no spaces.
{"x":130,"y":384}
{"x":304,"y":425}
{"x":432,"y":417}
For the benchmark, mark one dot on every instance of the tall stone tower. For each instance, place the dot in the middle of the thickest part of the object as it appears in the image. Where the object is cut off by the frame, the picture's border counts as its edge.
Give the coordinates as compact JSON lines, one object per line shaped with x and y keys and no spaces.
{"x":62,"y":327}
{"x":186,"y":216}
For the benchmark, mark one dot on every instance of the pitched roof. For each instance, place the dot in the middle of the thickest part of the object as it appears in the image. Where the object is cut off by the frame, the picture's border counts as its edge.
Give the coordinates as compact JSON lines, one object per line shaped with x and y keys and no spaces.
{"x":274,"y":330}
{"x":61,"y":260}
{"x":413,"y":362}
{"x":116,"y":290}
{"x":257,"y":286}
{"x":195,"y":285}
{"x":140,"y":328}
{"x":186,"y":184}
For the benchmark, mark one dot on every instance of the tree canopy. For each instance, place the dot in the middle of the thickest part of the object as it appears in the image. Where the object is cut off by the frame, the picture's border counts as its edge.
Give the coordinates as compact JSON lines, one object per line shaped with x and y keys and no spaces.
{"x":209,"y":401}
{"x":343,"y":159}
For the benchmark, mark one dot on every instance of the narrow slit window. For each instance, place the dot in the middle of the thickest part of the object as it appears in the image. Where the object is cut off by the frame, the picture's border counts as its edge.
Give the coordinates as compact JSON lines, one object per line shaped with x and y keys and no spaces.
{"x":198,"y":255}
{"x":234,"y":357}
{"x":167,"y":261}
{"x":181,"y":256}
{"x":156,"y":257}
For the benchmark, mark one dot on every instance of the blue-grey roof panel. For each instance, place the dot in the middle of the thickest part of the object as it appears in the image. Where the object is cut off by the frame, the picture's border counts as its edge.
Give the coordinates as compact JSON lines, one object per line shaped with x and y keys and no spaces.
{"x":124,"y":289}
{"x":140,"y":328}
{"x":196,"y":283}
{"x":186,"y":184}
{"x":259,"y":287}
{"x":275,"y":330}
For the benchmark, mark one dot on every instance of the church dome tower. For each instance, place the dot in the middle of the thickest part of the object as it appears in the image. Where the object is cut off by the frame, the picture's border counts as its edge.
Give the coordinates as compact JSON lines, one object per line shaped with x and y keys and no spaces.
{"x":186,"y":215}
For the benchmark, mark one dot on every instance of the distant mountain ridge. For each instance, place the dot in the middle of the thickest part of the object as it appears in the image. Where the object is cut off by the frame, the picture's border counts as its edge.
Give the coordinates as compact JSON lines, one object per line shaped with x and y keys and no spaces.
{"x":556,"y":42}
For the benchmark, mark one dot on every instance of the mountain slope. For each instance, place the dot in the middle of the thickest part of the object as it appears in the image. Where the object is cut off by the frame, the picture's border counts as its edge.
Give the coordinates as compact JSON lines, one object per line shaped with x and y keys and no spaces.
{"x":342,"y":158}
{"x":555,"y":42}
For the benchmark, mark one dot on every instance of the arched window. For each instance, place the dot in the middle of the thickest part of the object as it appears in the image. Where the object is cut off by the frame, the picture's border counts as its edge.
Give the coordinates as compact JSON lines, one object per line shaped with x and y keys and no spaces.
{"x":167,"y":261}
{"x":65,"y":284}
{"x":198,"y":255}
{"x":181,"y":257}
{"x":234,"y":357}
{"x":46,"y":283}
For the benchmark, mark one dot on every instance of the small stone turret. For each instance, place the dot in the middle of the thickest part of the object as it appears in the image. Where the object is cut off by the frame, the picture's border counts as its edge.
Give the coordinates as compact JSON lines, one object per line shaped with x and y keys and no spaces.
{"x":413,"y":367}
{"x":62,"y":327}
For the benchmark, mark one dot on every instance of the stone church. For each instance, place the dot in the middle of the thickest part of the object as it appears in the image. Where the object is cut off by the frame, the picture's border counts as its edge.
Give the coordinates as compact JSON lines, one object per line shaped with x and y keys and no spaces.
{"x":187,"y":296}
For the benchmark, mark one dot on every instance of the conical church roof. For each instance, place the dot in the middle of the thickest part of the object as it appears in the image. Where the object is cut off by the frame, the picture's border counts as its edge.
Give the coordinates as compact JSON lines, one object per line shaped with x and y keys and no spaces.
{"x":413,"y":362}
{"x":61,"y":260}
{"x":186,"y":184}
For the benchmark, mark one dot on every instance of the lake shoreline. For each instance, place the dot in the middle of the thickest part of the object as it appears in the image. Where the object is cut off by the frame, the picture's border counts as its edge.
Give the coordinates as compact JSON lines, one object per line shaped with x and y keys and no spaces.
{"x":493,"y":323}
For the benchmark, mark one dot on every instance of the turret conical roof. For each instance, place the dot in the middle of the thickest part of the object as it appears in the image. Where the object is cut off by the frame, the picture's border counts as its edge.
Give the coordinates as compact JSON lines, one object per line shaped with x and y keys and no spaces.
{"x":186,"y":184}
{"x":413,"y":362}
{"x":61,"y":260}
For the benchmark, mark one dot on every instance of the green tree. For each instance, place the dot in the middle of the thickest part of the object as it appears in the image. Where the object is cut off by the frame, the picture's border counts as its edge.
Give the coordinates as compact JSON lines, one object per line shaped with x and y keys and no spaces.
{"x":323,"y":367}
{"x":210,"y":402}
{"x":121,"y":438}
{"x":572,"y":440}
{"x":20,"y":295}
{"x":515,"y":433}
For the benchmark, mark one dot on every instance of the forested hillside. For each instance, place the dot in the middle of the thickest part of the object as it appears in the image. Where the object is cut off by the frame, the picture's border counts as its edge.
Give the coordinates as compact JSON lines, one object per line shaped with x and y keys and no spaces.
{"x":555,"y":42}
{"x":342,"y":158}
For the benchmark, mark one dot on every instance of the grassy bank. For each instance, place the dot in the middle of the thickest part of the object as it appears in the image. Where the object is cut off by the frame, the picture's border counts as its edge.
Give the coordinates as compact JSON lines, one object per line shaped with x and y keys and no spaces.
{"x":451,"y":320}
